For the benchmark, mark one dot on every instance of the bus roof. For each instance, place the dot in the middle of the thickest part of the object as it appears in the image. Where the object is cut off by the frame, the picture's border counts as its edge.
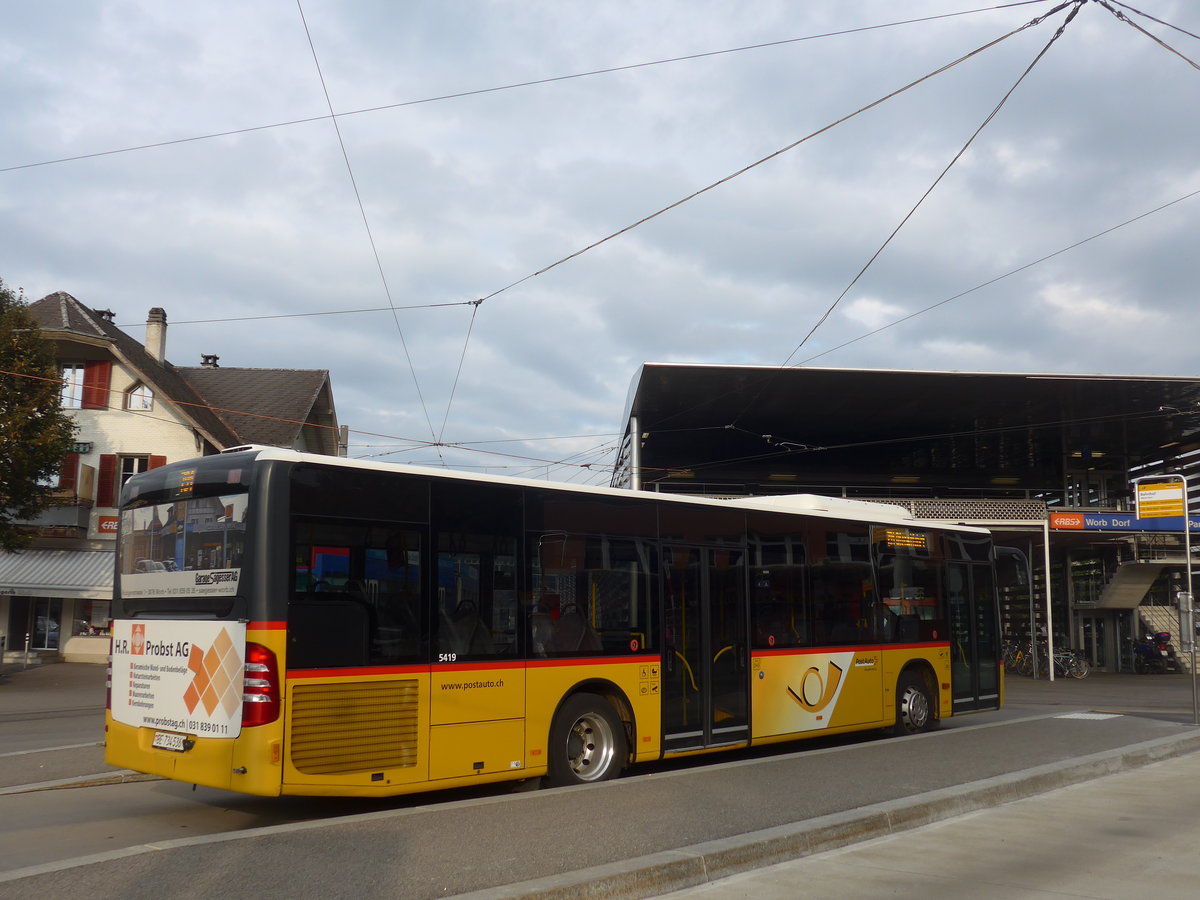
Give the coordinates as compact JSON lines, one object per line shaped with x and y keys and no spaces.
{"x":808,"y":504}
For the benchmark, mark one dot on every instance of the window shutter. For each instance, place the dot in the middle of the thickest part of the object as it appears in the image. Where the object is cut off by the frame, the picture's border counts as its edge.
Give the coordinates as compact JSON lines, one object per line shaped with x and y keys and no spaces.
{"x":156,"y":462}
{"x":96,"y":378}
{"x":68,"y":473}
{"x":107,"y":480}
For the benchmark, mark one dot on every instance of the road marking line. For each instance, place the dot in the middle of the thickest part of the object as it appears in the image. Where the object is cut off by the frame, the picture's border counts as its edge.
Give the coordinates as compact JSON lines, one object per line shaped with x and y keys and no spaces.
{"x":48,"y":749}
{"x":1090,"y":716}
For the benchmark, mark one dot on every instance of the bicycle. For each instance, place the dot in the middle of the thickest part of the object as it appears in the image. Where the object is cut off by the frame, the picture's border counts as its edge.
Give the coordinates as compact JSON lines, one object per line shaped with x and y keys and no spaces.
{"x":1018,"y":657}
{"x":1067,"y":661}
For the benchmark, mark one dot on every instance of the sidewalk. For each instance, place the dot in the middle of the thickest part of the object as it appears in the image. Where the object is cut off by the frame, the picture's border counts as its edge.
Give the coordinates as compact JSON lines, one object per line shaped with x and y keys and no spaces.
{"x":1121,"y":837}
{"x":52,"y":726}
{"x":53,"y":686}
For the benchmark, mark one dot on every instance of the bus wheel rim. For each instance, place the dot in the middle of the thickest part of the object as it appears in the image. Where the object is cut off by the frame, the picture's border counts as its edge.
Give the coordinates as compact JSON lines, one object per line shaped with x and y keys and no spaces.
{"x":915,"y":709}
{"x":590,"y":747}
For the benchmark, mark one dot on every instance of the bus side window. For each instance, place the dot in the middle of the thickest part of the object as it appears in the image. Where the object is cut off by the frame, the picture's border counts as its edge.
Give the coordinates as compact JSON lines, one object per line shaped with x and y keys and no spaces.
{"x":476,"y":600}
{"x":356,"y":589}
{"x":590,"y":595}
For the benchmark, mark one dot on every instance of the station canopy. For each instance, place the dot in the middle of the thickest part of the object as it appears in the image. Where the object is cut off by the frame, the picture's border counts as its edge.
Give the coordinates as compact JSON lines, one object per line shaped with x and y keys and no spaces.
{"x":877,"y":432}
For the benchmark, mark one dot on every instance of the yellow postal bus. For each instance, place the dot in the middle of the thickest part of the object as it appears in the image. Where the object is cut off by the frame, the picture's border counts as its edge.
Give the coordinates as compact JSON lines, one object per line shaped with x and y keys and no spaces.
{"x":296,"y":624}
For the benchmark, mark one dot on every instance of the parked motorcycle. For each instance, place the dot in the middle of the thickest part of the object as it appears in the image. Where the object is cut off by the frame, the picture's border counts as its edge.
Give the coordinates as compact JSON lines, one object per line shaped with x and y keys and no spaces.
{"x":1151,"y":655}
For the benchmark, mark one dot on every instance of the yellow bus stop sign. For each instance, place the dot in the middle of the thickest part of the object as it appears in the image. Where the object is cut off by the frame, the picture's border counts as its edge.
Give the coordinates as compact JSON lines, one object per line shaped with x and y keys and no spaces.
{"x":1159,"y":499}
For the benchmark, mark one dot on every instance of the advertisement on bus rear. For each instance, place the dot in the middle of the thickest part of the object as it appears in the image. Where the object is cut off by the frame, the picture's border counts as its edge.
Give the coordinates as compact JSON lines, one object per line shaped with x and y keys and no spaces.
{"x":179,"y":676}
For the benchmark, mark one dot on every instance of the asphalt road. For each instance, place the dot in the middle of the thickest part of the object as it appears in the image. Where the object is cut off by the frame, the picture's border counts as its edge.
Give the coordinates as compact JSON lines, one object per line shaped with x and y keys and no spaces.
{"x":639,"y":836}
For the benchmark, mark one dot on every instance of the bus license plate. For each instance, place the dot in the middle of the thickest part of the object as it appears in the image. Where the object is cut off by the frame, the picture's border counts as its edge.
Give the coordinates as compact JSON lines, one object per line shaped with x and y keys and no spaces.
{"x":168,"y":740}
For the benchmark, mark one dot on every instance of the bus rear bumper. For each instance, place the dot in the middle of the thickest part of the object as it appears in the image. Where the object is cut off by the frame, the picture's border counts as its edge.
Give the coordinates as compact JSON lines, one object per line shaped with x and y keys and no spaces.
{"x":206,"y":761}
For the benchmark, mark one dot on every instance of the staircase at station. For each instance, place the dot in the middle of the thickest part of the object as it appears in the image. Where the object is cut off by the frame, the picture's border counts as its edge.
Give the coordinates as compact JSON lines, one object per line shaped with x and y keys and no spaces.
{"x":1130,"y":586}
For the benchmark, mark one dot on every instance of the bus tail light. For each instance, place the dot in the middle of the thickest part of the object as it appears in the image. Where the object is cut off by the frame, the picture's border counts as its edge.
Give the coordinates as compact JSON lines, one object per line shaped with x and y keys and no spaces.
{"x":260,"y":692}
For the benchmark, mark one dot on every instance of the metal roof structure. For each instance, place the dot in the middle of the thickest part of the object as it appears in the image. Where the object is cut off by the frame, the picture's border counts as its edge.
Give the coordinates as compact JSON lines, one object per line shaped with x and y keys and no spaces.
{"x":1064,"y":439}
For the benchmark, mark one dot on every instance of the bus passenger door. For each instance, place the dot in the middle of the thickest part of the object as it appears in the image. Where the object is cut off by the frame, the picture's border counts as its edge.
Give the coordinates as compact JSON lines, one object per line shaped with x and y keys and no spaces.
{"x":705,"y":680}
{"x":974,"y":641}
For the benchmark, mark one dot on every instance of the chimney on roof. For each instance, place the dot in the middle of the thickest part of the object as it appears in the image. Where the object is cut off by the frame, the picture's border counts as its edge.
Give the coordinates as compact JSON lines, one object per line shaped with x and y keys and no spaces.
{"x":156,"y":334}
{"x":209,"y":361}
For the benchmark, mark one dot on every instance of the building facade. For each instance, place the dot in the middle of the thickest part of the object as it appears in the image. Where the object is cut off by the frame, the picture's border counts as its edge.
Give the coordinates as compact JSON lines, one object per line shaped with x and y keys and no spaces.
{"x":1046,"y":461}
{"x":134,"y":411}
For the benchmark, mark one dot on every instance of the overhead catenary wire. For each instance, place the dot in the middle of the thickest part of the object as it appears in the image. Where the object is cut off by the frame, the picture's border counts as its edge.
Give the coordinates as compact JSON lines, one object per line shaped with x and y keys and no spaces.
{"x":756,"y":46}
{"x":366,"y":222}
{"x":936,"y":181}
{"x":458,"y":372}
{"x":417,"y":443}
{"x":1075,"y":4}
{"x":1124,"y":18}
{"x":1153,"y":19}
{"x":777,"y":153}
{"x":609,"y":70}
{"x":303,"y":315}
{"x":998,"y":278}
{"x":441,"y":434}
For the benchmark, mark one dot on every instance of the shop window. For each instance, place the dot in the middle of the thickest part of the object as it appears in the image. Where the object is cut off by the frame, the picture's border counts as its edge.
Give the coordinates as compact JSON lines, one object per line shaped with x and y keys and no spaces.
{"x":93,"y":618}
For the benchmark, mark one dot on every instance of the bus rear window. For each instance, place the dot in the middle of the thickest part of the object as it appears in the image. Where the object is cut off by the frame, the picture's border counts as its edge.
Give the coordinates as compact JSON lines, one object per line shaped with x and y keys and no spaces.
{"x":186,"y":548}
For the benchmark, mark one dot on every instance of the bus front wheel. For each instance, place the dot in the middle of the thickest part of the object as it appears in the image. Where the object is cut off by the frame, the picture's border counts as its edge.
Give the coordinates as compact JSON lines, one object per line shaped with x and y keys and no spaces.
{"x":587,"y":742}
{"x":914,"y":706}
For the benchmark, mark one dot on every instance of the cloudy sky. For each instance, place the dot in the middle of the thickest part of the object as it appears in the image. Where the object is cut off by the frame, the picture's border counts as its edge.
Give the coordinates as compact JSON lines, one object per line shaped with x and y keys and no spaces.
{"x":465,"y":158}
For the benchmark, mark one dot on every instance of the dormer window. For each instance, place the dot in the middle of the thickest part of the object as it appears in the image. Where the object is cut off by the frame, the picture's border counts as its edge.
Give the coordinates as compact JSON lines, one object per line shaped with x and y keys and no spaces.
{"x":139,"y":397}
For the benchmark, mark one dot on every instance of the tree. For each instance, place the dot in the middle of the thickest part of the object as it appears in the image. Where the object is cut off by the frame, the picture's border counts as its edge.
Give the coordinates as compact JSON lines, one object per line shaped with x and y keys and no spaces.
{"x":35,"y":433}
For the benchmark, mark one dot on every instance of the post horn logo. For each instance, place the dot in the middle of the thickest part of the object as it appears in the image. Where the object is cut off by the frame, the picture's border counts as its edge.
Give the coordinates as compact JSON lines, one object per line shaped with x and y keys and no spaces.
{"x":816,"y":692}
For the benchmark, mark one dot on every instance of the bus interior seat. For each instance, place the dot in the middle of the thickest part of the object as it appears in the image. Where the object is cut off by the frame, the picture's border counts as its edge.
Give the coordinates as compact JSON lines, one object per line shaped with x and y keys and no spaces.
{"x":464,"y":633}
{"x":572,"y":633}
{"x":908,"y":628}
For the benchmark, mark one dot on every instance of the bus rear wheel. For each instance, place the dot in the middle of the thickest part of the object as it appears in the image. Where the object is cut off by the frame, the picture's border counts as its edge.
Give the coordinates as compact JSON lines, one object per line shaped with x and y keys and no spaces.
{"x":587,"y":742}
{"x":914,"y":706}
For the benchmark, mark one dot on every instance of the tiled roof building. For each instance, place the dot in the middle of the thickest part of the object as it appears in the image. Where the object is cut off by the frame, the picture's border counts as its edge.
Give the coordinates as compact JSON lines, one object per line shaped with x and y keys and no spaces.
{"x":135,"y":411}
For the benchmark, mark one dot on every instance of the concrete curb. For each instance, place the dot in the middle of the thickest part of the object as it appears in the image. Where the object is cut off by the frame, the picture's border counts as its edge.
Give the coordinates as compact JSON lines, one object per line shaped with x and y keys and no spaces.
{"x":125,"y":776}
{"x":661,"y":873}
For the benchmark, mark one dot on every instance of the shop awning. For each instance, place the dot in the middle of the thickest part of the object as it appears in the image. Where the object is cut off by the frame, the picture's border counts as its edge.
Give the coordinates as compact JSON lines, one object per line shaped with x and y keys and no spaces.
{"x":78,"y":574}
